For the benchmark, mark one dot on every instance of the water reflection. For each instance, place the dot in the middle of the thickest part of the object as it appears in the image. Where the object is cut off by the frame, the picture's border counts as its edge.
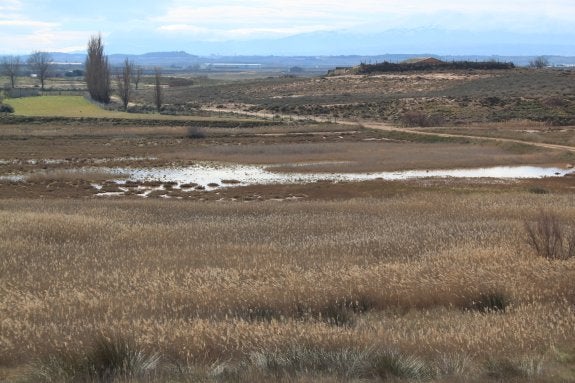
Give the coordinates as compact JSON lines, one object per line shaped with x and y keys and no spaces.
{"x":212,"y":175}
{"x":206,"y":174}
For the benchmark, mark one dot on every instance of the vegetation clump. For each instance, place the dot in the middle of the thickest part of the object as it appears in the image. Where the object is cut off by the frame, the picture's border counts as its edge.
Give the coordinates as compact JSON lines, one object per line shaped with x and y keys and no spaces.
{"x":420,"y":119}
{"x":551,"y":238}
{"x":5,"y":108}
{"x":490,"y":301}
{"x":424,"y":66}
{"x":195,"y":132}
{"x":108,"y":360}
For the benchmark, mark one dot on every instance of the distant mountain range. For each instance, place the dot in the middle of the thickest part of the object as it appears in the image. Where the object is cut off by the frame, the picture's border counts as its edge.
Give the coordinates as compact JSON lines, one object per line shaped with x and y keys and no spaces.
{"x":340,"y":48}
{"x":334,"y":43}
{"x":183,"y":60}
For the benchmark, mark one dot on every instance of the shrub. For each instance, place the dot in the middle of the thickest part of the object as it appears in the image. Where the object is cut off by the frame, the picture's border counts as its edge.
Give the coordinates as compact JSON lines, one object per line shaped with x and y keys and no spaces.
{"x":421,"y":119}
{"x":539,"y":62}
{"x":555,"y":102}
{"x":195,"y":132}
{"x":550,"y":238}
{"x":175,"y":82}
{"x":4,"y":108}
{"x":491,"y":301}
{"x":337,"y":315}
{"x":538,"y":190}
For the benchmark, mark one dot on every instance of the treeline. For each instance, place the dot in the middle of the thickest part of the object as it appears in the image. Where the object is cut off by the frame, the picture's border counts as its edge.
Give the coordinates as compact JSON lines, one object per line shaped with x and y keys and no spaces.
{"x":454,"y":65}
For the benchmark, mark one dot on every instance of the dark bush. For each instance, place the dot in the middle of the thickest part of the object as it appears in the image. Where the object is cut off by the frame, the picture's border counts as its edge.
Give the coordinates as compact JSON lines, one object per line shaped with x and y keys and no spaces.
{"x":491,"y":301}
{"x":538,"y":190}
{"x":555,"y":102}
{"x":195,"y":132}
{"x":6,"y":108}
{"x":421,"y":119}
{"x":423,"y":66}
{"x":174,"y":82}
{"x":549,"y":237}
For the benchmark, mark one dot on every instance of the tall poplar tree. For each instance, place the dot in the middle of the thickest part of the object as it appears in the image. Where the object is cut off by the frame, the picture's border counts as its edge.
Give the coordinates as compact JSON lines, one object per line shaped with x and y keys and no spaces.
{"x":97,"y":71}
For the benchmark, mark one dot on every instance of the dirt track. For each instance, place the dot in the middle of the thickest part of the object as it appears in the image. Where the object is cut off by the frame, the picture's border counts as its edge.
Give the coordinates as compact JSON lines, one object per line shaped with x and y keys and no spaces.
{"x":389,"y":127}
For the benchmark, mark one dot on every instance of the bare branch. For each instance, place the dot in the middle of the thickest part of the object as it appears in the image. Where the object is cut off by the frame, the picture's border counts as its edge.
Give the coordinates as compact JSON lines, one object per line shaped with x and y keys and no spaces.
{"x":11,"y":68}
{"x":40,"y":63}
{"x":123,"y":78}
{"x":158,"y":88}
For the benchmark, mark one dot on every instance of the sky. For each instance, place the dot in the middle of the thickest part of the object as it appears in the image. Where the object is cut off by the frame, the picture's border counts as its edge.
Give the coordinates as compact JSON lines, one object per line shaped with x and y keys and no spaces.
{"x":140,"y":26}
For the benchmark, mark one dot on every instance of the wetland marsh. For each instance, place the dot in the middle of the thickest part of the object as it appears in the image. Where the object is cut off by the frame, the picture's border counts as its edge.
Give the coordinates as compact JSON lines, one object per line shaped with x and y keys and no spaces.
{"x":321,"y":251}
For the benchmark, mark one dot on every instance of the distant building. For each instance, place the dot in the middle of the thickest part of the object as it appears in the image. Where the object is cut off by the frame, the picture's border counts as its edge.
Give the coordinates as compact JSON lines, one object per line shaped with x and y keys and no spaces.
{"x":423,"y":60}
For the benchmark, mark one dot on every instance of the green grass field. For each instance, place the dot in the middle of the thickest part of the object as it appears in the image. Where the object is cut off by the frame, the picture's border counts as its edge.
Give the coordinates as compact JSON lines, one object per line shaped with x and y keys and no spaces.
{"x":65,"y":106}
{"x":78,"y":106}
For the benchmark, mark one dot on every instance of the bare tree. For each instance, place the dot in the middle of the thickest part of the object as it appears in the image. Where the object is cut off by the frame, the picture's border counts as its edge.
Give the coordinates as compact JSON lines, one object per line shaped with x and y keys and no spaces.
{"x":11,"y":68}
{"x":539,"y":62}
{"x":158,"y":88}
{"x":40,"y":63}
{"x":123,"y":81}
{"x":137,"y":75}
{"x":97,"y":73}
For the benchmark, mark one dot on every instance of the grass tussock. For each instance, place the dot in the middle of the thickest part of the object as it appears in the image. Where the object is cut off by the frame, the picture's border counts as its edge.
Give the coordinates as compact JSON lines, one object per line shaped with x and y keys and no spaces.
{"x":513,"y":368}
{"x":108,"y":360}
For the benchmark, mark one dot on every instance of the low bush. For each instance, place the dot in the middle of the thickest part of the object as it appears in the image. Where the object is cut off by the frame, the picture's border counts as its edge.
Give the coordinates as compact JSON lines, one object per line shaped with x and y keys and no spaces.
{"x":538,"y":190}
{"x":4,"y":108}
{"x":490,"y":301}
{"x":421,"y":119}
{"x":195,"y":132}
{"x":551,"y":238}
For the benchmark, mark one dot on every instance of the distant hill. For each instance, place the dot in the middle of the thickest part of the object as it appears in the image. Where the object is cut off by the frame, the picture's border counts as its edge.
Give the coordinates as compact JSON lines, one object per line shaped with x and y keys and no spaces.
{"x":183,"y":60}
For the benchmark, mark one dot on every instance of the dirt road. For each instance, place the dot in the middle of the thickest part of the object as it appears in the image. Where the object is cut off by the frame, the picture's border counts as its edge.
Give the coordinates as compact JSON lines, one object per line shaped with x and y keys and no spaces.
{"x":389,"y":127}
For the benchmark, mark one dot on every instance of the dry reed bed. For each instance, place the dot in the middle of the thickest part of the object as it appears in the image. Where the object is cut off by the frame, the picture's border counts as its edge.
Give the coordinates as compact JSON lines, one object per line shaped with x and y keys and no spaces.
{"x":211,"y":281}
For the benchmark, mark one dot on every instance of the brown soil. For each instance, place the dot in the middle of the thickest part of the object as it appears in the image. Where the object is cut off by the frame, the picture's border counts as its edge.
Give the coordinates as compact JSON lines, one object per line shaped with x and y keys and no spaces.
{"x":49,"y":148}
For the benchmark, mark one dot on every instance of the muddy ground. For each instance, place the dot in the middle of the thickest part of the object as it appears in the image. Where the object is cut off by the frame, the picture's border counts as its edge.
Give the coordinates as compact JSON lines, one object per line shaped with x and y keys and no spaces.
{"x":42,"y":153}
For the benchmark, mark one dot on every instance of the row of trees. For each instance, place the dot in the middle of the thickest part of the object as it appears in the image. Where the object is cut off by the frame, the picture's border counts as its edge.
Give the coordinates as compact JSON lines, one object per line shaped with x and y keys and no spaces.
{"x":98,"y":73}
{"x":38,"y":62}
{"x":99,"y":76}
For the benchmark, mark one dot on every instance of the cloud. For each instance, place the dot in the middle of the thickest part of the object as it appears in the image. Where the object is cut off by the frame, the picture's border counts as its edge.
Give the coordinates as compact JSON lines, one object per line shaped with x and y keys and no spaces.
{"x":27,"y":24}
{"x":23,"y":31}
{"x":10,"y":5}
{"x":258,"y":18}
{"x":229,"y":19}
{"x":42,"y":40}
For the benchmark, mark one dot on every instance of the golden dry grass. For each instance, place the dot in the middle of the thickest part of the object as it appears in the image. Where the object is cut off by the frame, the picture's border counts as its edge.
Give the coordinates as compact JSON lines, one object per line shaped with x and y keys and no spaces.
{"x":206,"y":282}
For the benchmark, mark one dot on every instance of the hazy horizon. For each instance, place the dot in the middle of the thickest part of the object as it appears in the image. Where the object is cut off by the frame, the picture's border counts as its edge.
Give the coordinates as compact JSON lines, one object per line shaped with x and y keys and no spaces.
{"x":257,"y":27}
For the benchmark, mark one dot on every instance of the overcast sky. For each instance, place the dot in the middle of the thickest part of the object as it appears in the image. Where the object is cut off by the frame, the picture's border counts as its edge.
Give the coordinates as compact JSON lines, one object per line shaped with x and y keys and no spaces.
{"x":133,"y":26}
